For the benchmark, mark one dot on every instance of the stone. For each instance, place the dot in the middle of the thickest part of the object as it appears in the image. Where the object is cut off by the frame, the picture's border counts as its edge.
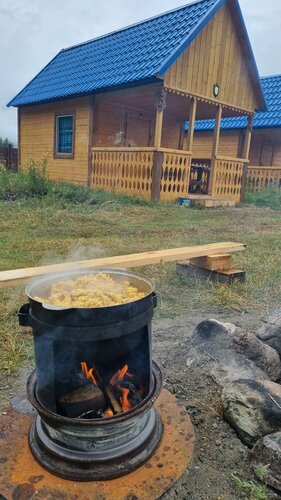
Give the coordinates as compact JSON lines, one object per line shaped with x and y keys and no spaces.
{"x":253,"y":408}
{"x":267,"y":454}
{"x":264,"y":356}
{"x":233,"y":353}
{"x":270,"y":332}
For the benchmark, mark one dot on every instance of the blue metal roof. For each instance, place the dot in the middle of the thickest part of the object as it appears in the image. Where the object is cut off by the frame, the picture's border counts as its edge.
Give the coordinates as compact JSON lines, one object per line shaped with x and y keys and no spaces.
{"x":267,"y":119}
{"x":138,"y":53}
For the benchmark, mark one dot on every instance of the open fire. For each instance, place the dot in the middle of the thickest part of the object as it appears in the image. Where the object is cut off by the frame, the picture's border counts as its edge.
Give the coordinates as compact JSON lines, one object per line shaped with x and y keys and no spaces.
{"x":98,"y":398}
{"x":121,"y":392}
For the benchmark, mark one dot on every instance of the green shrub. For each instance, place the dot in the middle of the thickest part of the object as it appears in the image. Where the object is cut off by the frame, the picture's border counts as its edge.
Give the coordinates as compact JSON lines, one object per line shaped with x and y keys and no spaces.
{"x":269,"y":197}
{"x":29,"y":182}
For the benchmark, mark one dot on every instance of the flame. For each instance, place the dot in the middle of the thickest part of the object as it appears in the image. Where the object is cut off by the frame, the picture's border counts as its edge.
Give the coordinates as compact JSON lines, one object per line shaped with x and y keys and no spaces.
{"x":116,"y":380}
{"x":108,"y":413}
{"x":125,"y":403}
{"x":119,"y":375}
{"x":88,"y":373}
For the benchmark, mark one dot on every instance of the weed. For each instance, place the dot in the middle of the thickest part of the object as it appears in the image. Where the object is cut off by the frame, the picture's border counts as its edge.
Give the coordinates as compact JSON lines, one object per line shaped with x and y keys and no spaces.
{"x":269,"y":197}
{"x":256,"y":492}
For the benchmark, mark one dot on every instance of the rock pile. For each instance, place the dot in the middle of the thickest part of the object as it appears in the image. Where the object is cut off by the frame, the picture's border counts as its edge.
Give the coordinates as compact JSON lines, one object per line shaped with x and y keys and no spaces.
{"x":248,"y":367}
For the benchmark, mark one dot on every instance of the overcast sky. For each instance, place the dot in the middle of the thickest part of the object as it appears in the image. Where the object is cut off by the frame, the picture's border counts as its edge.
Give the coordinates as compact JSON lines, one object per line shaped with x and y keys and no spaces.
{"x":34,"y":31}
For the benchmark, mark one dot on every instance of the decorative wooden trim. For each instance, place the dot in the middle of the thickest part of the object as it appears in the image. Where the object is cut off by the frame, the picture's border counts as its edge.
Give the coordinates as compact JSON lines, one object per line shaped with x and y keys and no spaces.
{"x":160,"y":105}
{"x":19,"y":137}
{"x":64,"y":156}
{"x":156,"y":175}
{"x":91,"y":138}
{"x":214,"y":102}
{"x":191,"y":123}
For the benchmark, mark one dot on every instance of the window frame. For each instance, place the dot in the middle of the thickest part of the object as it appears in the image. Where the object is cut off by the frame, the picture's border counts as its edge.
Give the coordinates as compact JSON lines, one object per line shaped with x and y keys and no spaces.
{"x":66,"y":156}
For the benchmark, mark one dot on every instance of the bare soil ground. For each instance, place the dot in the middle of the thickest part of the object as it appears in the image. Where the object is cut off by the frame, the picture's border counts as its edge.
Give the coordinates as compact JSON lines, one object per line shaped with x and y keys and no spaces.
{"x":218,"y":451}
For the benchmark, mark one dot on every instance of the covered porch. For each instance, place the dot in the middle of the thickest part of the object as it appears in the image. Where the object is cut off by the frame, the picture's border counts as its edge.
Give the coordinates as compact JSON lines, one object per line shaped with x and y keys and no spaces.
{"x":142,"y":145}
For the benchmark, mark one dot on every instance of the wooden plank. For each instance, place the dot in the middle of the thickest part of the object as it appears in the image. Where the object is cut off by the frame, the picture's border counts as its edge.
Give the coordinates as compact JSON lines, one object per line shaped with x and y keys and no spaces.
{"x":20,"y":276}
{"x":226,"y":276}
{"x":217,"y":262}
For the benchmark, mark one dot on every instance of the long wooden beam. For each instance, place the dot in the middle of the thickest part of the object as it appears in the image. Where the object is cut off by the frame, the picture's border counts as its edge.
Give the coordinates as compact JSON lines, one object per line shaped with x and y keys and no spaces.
{"x":17,"y":277}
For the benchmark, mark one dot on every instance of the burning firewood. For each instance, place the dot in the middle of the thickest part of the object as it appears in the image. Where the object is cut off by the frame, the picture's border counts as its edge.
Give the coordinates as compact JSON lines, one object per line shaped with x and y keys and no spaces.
{"x":106,"y":389}
{"x":112,"y":400}
{"x":89,"y":397}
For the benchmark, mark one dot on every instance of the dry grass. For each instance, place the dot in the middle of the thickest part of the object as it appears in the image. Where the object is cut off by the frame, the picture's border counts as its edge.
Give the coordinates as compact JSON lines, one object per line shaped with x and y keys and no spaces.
{"x":53,"y":228}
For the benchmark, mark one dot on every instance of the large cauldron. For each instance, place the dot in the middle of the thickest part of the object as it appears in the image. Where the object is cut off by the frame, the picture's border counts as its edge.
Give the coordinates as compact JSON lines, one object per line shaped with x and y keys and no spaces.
{"x":108,"y":337}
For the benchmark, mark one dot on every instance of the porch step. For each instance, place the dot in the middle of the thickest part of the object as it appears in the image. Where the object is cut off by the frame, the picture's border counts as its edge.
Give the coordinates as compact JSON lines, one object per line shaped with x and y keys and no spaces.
{"x":209,"y":202}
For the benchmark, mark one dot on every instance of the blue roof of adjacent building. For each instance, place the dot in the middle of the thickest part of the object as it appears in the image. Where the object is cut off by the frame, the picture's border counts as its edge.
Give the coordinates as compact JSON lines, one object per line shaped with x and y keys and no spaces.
{"x":137,"y":54}
{"x":263,"y":119}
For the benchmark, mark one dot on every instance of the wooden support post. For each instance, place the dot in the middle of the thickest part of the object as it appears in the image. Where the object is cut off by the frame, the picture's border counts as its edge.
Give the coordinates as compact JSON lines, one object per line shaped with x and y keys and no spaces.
{"x":156,"y":175}
{"x":248,"y":136}
{"x":160,"y":106}
{"x":245,"y":154}
{"x":191,"y":123}
{"x":215,"y":149}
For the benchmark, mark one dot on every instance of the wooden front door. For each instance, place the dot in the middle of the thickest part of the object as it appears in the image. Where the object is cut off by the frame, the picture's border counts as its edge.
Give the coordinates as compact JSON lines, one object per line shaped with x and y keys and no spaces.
{"x":138,"y":130}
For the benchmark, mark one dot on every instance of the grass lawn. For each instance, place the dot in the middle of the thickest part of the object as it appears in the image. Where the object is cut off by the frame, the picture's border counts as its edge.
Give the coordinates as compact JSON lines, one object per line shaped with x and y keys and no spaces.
{"x":51,"y":228}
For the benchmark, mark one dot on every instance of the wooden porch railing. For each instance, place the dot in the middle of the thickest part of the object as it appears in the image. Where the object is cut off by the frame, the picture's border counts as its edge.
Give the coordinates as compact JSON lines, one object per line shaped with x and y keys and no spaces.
{"x":175,"y":174}
{"x":132,"y":171}
{"x":227,"y":178}
{"x":263,"y":177}
{"x":123,"y":170}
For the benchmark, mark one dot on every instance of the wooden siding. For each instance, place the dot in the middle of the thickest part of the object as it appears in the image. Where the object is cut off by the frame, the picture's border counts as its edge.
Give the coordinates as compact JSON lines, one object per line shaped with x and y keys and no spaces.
{"x":37,"y":138}
{"x":215,"y":56}
{"x":277,"y":156}
{"x":228,"y":144}
{"x":265,"y":150}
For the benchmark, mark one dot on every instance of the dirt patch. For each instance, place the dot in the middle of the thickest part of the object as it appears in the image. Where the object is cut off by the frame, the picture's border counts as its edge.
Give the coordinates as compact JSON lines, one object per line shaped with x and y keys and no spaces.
{"x":218,"y":451}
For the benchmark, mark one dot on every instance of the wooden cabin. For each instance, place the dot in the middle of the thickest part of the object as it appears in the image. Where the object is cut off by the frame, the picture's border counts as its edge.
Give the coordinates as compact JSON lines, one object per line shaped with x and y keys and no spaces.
{"x":264,"y":169}
{"x":110,"y":113}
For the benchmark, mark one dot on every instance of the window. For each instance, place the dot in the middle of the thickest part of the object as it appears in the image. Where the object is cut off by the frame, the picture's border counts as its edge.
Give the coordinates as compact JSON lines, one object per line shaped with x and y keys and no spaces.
{"x":64,"y":136}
